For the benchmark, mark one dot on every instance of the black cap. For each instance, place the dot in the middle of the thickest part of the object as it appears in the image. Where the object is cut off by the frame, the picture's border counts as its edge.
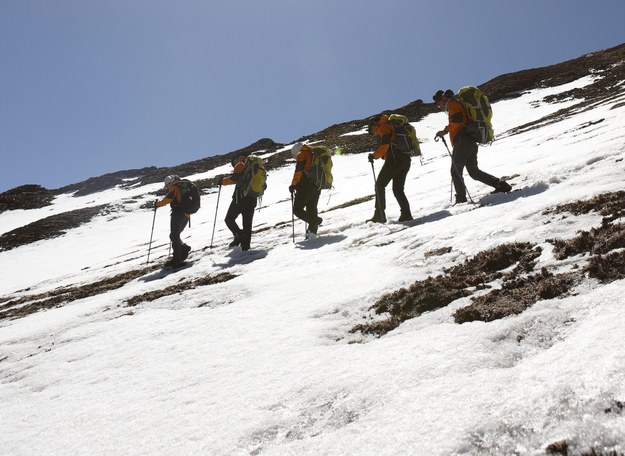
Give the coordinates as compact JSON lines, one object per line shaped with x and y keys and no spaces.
{"x":438,"y":95}
{"x":449,"y":93}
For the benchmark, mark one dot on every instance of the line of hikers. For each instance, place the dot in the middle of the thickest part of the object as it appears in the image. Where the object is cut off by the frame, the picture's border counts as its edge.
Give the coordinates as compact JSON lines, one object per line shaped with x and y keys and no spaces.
{"x":469,"y":116}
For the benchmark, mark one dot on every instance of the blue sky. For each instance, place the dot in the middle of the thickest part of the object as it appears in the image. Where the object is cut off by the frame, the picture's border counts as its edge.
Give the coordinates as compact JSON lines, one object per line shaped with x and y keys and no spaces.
{"x":89,"y":87}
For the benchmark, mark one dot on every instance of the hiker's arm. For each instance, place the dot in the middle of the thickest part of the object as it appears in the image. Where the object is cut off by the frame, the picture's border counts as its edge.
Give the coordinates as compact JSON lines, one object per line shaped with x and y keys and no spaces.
{"x":300,"y":166}
{"x":386,"y":134}
{"x":166,"y":200}
{"x":239,"y":168}
{"x":456,"y":116}
{"x":163,"y":202}
{"x":443,"y":132}
{"x":381,"y":151}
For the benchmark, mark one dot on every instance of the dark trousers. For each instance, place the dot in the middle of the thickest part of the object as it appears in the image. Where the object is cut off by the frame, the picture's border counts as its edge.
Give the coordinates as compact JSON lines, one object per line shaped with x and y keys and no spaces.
{"x":243,"y":206}
{"x":396,"y":169}
{"x":465,"y":155}
{"x":178,"y":223}
{"x":305,"y":204}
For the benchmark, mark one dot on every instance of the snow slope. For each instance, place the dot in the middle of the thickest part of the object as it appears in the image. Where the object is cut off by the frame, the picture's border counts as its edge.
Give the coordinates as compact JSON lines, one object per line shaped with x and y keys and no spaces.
{"x":266,"y":364}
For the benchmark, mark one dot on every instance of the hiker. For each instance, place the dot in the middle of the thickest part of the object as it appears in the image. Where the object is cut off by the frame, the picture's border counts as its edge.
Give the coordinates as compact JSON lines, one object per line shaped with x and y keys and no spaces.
{"x":306,"y":193}
{"x":464,"y":152}
{"x":242,"y":204}
{"x":178,"y":221}
{"x":395,"y":168}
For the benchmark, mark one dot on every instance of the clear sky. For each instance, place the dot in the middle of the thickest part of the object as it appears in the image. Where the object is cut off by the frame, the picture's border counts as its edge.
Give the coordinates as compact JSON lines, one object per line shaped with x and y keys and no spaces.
{"x":95,"y":86}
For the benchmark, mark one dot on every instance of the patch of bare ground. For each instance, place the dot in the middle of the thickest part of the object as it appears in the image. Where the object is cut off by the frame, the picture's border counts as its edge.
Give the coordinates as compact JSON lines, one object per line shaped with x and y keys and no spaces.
{"x":607,"y":268}
{"x":25,"y":197}
{"x":610,"y":205}
{"x":457,"y":282}
{"x":562,"y":448}
{"x":353,"y":202}
{"x":26,"y":305}
{"x":516,"y":295}
{"x":605,"y":265}
{"x":596,"y":241}
{"x":520,"y":288}
{"x":437,"y":252}
{"x":180,"y":287}
{"x":49,"y":227}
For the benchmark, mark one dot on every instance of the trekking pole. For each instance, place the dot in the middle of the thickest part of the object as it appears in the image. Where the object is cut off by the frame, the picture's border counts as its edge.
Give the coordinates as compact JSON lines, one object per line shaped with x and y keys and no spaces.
{"x":375,"y":188}
{"x":455,"y":167}
{"x":293,"y":216}
{"x":215,"y":222}
{"x":151,"y":233}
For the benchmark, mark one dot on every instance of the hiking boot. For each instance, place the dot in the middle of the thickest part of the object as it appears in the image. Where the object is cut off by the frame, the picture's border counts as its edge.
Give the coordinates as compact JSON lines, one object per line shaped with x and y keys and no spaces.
{"x":185,"y":252}
{"x":377,"y":218}
{"x":404,"y":218}
{"x":236,"y":241}
{"x":245,"y":246}
{"x":503,"y":187}
{"x":460,"y":199}
{"x":173,"y":263}
{"x":311,"y":235}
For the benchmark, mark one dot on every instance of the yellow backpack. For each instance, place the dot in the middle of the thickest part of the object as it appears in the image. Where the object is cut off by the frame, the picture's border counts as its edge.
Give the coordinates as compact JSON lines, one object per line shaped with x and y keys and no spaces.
{"x":480,"y":113}
{"x":320,"y":174}
{"x":406,"y":136}
{"x":254,"y":180}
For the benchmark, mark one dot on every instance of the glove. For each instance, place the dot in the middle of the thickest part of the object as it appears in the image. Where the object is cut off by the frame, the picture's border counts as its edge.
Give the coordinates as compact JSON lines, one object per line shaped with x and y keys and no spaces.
{"x":155,"y":204}
{"x":370,"y":157}
{"x":292,"y":189}
{"x":440,"y":134}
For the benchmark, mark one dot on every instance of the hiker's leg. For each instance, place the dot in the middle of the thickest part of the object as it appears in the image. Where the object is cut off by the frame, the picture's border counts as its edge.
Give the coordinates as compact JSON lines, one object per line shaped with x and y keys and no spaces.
{"x":305,"y":191}
{"x":233,"y":212}
{"x":462,"y":151}
{"x":476,"y":173}
{"x":311,"y":211}
{"x":385,"y":176}
{"x":399,"y":182}
{"x":248,"y":204}
{"x":178,"y":222}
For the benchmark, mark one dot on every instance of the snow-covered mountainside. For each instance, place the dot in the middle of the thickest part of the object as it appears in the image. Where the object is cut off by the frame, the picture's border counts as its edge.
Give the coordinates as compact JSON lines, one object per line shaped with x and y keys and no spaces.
{"x":494,"y":328}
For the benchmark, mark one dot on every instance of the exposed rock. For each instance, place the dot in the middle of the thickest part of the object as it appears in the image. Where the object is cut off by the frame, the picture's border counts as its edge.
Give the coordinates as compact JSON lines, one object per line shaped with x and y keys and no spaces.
{"x":25,"y":197}
{"x":49,"y":227}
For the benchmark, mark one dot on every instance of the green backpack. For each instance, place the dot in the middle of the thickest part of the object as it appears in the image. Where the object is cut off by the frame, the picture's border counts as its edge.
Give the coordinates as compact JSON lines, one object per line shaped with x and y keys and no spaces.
{"x":480,"y":113}
{"x":190,"y":202}
{"x":254,"y":179}
{"x":320,"y":173}
{"x":406,"y":140}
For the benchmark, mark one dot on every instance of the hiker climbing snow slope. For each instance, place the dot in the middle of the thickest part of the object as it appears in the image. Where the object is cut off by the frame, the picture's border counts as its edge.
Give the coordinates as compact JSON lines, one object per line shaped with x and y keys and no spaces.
{"x":464,"y":145}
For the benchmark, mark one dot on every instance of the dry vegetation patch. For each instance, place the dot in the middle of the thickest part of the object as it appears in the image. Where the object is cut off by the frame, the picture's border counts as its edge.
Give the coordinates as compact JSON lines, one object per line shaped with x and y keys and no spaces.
{"x":26,"y":305}
{"x":562,"y":448}
{"x":607,"y":268}
{"x":520,"y":287}
{"x":180,"y":287}
{"x":516,"y":295}
{"x":596,"y":241}
{"x":457,"y":282}
{"x":610,"y":205}
{"x":49,"y":227}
